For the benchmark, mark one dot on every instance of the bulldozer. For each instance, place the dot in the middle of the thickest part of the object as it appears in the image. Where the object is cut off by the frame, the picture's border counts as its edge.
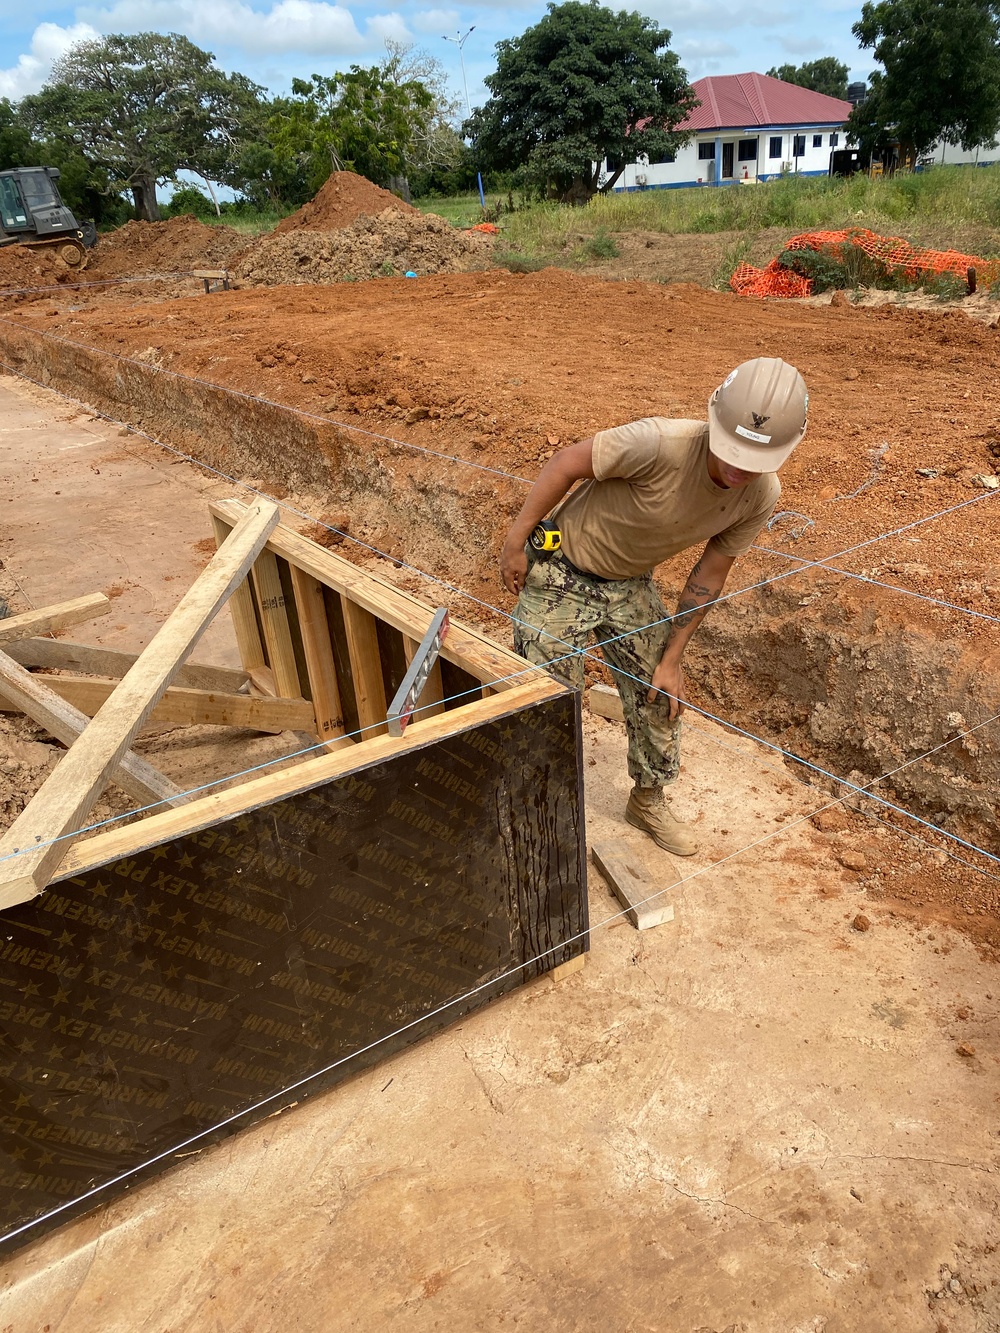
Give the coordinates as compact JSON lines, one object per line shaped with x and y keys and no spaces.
{"x":33,"y":214}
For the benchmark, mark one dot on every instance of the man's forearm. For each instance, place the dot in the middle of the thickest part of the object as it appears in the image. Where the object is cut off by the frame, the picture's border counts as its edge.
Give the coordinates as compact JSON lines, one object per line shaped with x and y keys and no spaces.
{"x":704,"y":585}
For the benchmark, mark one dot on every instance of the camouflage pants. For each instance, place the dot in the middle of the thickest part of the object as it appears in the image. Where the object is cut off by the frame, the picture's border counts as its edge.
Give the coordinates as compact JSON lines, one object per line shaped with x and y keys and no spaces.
{"x":559,"y":610}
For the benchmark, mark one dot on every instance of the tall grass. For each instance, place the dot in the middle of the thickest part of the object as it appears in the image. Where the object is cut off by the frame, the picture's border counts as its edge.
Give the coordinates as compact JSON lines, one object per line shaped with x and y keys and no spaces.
{"x":944,"y":197}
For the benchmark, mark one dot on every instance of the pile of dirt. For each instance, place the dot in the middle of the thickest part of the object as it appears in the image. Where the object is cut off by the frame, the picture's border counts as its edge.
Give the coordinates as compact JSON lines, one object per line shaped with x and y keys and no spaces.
{"x":343,"y":198}
{"x":387,"y":245}
{"x":21,"y":267}
{"x":163,"y":247}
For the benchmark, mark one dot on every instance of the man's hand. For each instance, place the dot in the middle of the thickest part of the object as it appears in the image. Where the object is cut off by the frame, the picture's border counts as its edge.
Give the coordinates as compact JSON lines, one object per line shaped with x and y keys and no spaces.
{"x":513,"y":568}
{"x":668,"y":678}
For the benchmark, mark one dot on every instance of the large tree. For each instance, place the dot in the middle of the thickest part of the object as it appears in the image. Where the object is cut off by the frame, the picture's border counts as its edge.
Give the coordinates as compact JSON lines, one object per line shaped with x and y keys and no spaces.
{"x":941,"y":80}
{"x":827,"y":75}
{"x":584,"y":86}
{"x":141,"y":108}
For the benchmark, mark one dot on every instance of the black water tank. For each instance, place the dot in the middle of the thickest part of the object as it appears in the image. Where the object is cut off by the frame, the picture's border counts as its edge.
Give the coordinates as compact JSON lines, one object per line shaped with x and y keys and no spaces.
{"x":857,"y":92}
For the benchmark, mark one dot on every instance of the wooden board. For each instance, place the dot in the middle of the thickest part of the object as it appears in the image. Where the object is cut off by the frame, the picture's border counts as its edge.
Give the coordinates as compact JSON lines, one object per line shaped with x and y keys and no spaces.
{"x":189,"y":708}
{"x":274,"y":619}
{"x":366,"y":669}
{"x":241,"y":609}
{"x":215,"y":806}
{"x":39,"y":838}
{"x":466,"y":647}
{"x":30,"y":695}
{"x":59,"y":616}
{"x":320,"y":666}
{"x":638,"y":890}
{"x":605,"y":702}
{"x":60,"y":655}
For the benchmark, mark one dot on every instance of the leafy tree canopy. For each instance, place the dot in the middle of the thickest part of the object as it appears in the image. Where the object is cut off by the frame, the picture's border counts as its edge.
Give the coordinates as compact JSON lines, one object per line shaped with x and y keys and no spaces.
{"x":583,"y":86}
{"x":941,"y":80}
{"x":826,"y":75}
{"x":142,"y":107}
{"x":371,"y":121}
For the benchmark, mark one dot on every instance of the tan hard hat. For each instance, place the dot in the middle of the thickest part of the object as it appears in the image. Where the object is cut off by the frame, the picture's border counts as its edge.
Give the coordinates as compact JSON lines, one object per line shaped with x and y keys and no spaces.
{"x":757,"y":415}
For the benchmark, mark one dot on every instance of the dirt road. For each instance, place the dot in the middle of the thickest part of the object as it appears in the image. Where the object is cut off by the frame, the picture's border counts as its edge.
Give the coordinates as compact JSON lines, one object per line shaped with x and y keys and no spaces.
{"x":756,"y":1118}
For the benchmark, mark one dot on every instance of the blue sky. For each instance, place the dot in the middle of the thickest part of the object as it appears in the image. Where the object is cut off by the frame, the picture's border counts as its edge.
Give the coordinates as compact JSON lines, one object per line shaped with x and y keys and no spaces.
{"x":273,"y":41}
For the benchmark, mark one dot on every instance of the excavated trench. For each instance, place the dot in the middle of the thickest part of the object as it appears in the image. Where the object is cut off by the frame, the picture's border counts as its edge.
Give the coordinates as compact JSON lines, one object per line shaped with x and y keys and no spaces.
{"x":839,"y":672}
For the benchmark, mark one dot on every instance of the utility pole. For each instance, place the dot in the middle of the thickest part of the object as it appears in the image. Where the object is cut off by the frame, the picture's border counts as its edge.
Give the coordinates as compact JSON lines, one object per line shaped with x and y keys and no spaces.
{"x":459,"y":40}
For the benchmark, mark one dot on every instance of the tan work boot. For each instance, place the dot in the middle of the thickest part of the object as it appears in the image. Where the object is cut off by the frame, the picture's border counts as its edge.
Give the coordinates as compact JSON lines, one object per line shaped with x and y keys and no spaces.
{"x":649,"y":809}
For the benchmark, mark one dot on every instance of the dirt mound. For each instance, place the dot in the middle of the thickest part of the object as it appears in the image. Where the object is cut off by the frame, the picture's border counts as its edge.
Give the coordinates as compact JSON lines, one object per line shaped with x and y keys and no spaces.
{"x":387,"y":245}
{"x":24,"y":268}
{"x":164,"y":247}
{"x":343,"y":198}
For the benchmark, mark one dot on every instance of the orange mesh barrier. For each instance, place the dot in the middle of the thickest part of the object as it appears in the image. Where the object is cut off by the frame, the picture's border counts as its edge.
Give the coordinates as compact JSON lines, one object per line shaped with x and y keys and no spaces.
{"x":891,"y":253}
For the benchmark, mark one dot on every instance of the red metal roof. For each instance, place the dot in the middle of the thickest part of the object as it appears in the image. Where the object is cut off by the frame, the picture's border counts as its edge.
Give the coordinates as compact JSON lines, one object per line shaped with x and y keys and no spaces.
{"x":735,"y":101}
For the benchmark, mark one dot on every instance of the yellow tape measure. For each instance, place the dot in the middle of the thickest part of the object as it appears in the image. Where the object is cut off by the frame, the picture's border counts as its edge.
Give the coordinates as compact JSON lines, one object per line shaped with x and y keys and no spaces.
{"x":546,"y":537}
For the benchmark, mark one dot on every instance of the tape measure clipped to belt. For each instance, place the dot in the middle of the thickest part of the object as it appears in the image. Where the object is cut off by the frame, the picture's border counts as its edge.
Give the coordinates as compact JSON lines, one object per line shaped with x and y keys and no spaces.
{"x":546,"y":539}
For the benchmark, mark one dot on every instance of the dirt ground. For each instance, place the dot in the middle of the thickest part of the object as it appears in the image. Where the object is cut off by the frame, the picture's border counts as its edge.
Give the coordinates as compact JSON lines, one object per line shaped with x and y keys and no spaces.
{"x":776,"y":1114}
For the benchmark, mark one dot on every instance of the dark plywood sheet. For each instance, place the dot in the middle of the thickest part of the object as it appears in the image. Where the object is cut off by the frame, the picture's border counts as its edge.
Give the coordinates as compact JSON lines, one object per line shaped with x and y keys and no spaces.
{"x":154,"y":1005}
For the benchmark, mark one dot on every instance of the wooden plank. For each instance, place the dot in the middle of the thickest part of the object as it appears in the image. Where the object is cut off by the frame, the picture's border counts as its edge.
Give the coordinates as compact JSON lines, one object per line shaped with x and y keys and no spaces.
{"x":180,"y":707}
{"x":630,"y":880}
{"x":245,"y":628}
{"x":60,"y":655}
{"x":139,"y":780}
{"x":562,"y":971}
{"x":466,"y":647}
{"x":215,"y":806}
{"x":37,"y":840}
{"x":429,"y":704}
{"x":366,"y":668}
{"x":320,"y":666}
{"x":604,"y":701}
{"x":59,"y":616}
{"x":274,"y":619}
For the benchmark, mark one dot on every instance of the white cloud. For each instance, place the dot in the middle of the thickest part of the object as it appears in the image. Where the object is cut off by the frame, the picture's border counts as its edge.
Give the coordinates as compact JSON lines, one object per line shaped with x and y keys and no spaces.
{"x":804,"y":46}
{"x":311,"y":26}
{"x":695,"y":49}
{"x":48,"y":43}
{"x":437,"y":22}
{"x":713,"y":15}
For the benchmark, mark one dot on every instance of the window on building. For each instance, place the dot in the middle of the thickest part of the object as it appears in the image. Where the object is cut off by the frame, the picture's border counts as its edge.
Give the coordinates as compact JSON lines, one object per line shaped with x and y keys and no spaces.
{"x":799,"y":146}
{"x":669,"y":156}
{"x":817,"y":141}
{"x":834,"y":140}
{"x":706,"y":152}
{"x":774,"y":146}
{"x":747,"y":150}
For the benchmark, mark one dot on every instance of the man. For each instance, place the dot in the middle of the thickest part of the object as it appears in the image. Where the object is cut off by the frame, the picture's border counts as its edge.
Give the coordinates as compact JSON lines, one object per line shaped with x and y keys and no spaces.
{"x":651,"y":489}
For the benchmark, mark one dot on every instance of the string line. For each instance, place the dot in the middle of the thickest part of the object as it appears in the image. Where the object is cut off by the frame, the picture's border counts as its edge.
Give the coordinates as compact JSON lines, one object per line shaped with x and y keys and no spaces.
{"x":586,"y":653}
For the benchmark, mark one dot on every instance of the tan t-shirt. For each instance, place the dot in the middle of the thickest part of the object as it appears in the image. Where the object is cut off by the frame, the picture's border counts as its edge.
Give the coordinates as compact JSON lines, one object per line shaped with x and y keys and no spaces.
{"x":653,"y":497}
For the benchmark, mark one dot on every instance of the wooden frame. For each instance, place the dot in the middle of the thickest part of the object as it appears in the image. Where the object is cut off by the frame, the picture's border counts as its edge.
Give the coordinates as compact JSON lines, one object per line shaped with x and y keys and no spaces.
{"x":216,"y":961}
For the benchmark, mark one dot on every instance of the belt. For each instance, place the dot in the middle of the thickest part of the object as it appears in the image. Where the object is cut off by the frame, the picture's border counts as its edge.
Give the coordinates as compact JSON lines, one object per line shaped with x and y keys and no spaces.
{"x":583,"y":573}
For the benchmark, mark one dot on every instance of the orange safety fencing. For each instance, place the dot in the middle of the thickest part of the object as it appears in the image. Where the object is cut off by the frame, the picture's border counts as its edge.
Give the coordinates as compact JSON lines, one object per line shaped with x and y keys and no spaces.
{"x":890,"y":253}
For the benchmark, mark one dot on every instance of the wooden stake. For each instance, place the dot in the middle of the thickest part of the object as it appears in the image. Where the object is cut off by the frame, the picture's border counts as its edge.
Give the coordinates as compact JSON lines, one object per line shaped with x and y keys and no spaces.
{"x":60,"y":616}
{"x":36,"y":842}
{"x":318,"y":649}
{"x":140,"y":781}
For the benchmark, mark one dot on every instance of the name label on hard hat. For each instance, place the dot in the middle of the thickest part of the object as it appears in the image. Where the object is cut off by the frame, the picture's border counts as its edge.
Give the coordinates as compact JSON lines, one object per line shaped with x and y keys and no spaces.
{"x":752,"y":435}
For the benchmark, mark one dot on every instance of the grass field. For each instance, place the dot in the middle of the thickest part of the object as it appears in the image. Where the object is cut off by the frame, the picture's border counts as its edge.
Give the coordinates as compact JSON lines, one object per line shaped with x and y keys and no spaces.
{"x":953,"y":206}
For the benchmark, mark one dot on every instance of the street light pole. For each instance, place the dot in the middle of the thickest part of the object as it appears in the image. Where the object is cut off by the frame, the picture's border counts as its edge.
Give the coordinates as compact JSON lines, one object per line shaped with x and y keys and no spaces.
{"x":459,"y":40}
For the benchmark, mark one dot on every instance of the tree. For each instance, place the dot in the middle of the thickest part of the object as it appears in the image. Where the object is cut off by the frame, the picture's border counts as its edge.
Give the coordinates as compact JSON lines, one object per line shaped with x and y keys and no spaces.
{"x":941,"y":80}
{"x":826,"y":75}
{"x":584,"y":86}
{"x":141,"y":108}
{"x":435,"y":150}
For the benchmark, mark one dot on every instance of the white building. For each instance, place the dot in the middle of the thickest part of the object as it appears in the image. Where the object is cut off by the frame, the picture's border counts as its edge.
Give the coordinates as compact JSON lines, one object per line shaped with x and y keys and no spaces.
{"x":748,"y":127}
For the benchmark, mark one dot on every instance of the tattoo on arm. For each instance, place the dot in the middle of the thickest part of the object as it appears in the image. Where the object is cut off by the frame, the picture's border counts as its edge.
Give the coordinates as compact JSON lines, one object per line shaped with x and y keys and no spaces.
{"x":693,"y":605}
